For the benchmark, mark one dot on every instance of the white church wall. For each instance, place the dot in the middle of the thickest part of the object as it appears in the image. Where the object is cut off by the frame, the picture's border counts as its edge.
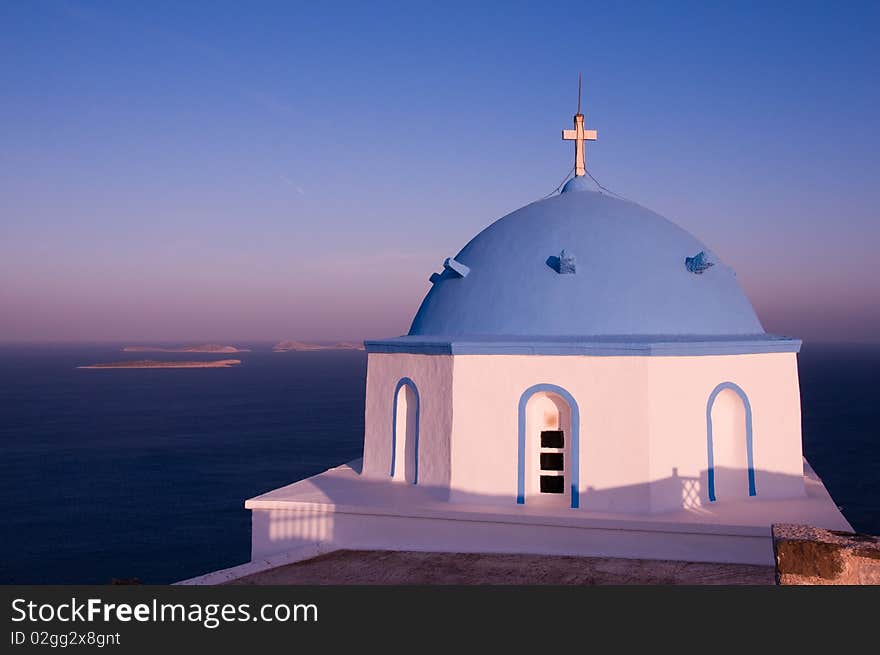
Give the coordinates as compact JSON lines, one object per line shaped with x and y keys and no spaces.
{"x":642,"y":428}
{"x":276,"y":532}
{"x":612,"y":431}
{"x":679,"y":392}
{"x":431,"y":376}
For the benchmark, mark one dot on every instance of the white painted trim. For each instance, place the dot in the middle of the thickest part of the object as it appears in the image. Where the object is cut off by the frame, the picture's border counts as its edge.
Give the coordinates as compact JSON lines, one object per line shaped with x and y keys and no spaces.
{"x":703,"y":543}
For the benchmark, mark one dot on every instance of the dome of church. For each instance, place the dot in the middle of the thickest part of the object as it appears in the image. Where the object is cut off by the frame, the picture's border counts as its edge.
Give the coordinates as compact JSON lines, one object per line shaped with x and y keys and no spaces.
{"x":584,"y":263}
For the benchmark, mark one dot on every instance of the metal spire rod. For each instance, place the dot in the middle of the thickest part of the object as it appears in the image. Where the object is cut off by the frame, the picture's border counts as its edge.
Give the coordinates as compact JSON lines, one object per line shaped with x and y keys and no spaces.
{"x":579,"y":135}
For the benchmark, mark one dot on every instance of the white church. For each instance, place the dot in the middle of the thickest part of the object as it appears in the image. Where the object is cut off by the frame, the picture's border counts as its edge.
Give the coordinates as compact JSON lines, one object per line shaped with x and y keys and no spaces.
{"x":583,"y":378}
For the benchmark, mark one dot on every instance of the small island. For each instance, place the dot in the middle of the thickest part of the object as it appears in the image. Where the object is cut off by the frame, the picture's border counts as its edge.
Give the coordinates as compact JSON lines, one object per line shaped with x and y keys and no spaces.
{"x":201,"y":348}
{"x":304,"y":346}
{"x":152,"y":363}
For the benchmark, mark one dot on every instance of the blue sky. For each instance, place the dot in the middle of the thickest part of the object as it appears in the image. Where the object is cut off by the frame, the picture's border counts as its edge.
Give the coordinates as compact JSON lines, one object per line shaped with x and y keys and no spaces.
{"x":230,"y":171}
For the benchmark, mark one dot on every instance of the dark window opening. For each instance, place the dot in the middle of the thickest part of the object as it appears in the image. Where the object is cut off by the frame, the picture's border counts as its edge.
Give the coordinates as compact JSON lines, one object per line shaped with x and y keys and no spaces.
{"x":552,"y":484}
{"x":552,"y":439}
{"x":552,"y":462}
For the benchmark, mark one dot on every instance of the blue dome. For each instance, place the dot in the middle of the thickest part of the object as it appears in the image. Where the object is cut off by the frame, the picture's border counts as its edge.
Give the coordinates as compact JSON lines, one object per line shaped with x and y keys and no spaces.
{"x":584,"y":263}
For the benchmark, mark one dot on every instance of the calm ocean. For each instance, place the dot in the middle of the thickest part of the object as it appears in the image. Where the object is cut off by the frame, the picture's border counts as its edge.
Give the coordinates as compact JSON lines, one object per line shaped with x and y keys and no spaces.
{"x":143,"y":473}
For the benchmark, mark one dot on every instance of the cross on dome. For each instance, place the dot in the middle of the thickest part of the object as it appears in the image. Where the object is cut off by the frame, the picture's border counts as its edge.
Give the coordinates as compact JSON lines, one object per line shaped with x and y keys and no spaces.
{"x":579,"y":135}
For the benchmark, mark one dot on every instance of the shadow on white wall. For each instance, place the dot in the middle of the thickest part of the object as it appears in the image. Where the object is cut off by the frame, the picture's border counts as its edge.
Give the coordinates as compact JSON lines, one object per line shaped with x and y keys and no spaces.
{"x":278,"y":530}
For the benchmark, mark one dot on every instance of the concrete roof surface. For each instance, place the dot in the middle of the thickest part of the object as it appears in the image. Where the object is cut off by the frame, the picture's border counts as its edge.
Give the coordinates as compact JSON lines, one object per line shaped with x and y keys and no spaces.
{"x":372,"y":567}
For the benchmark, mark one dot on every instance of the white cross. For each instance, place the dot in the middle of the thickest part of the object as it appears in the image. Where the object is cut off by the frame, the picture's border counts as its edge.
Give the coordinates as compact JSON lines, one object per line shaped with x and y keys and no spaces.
{"x":579,"y":135}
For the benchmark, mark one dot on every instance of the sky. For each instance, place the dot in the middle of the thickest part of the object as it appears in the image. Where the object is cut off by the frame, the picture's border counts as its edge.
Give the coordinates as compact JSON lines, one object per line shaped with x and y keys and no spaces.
{"x":240,"y":172}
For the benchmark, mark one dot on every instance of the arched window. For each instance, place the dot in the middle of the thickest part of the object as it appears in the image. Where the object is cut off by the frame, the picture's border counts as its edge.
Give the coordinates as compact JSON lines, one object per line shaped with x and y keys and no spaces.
{"x":731,"y":472}
{"x":405,"y":432}
{"x":548,"y":465}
